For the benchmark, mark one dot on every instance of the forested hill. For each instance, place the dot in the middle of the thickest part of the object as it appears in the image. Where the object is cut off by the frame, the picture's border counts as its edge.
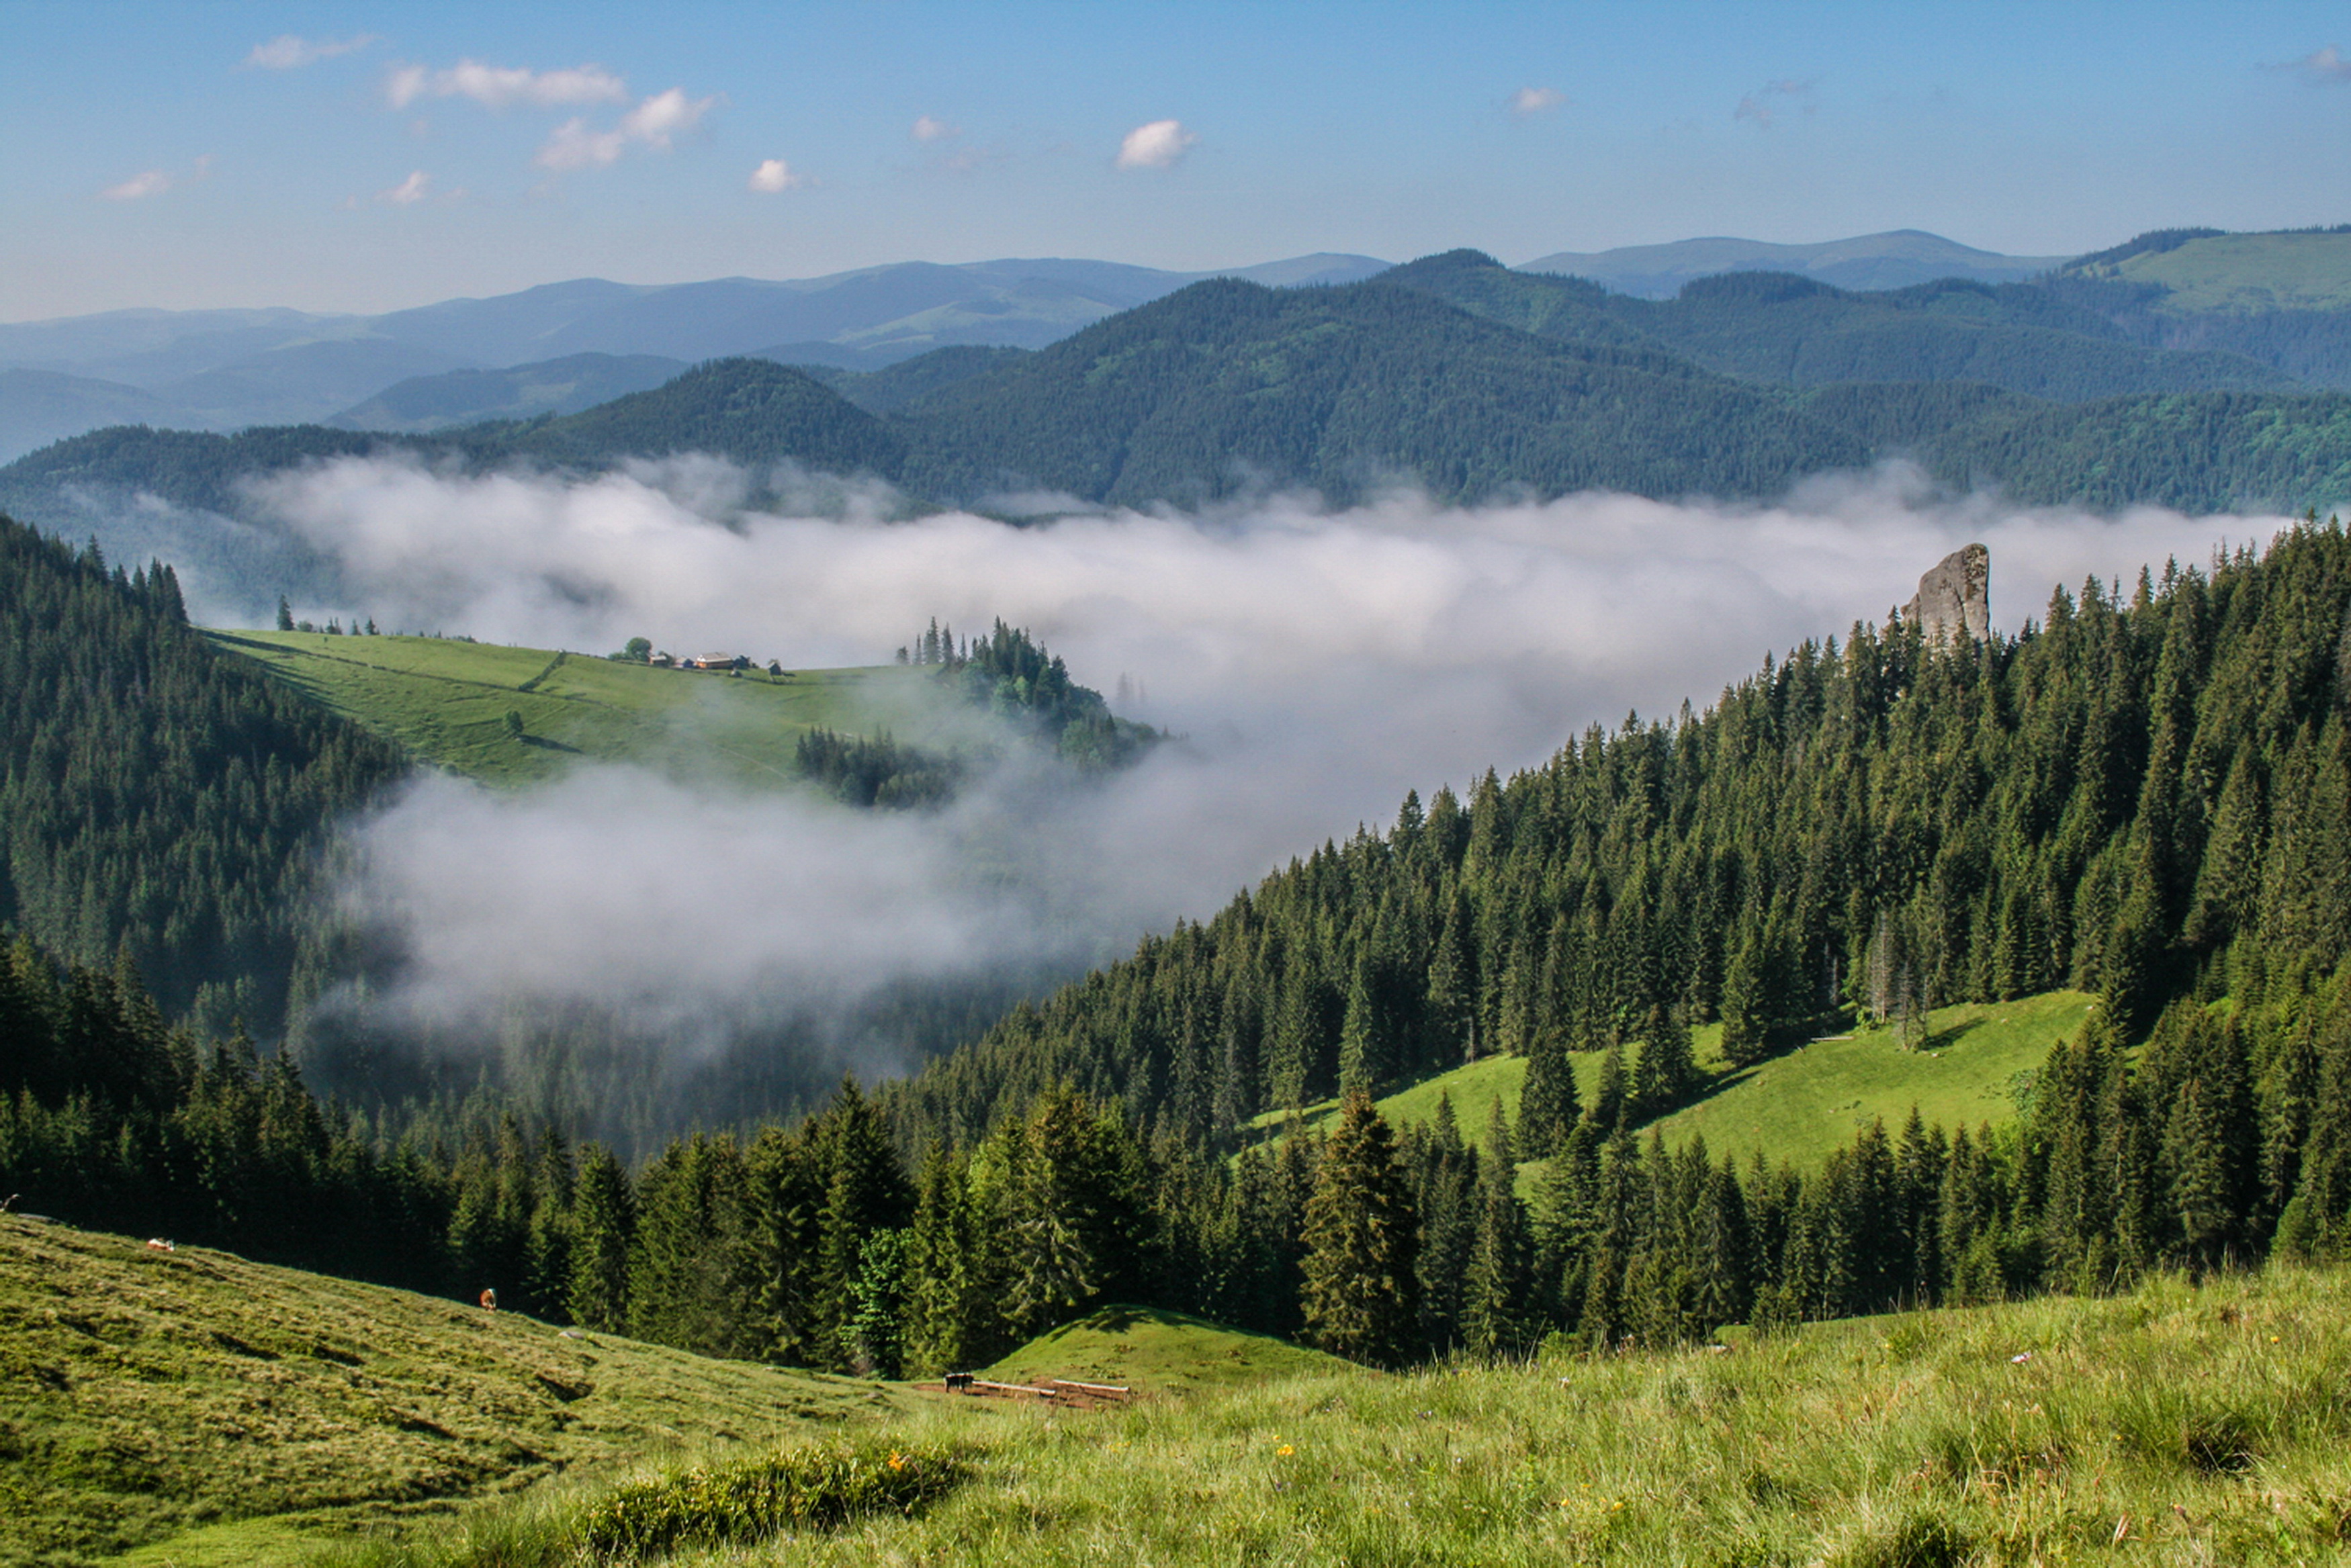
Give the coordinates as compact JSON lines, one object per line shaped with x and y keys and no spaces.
{"x":1226,"y":385}
{"x":162,"y":801}
{"x":2147,"y":795}
{"x":1452,"y":373}
{"x":1779,"y":327}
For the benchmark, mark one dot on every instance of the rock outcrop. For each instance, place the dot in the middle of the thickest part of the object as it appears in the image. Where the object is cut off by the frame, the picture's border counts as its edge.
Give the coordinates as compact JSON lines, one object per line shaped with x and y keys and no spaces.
{"x":1955,"y":599}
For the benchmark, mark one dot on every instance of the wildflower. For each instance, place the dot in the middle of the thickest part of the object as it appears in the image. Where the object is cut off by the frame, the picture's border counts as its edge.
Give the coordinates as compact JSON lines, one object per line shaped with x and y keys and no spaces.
{"x":1285,"y":1450}
{"x":897,"y":1460}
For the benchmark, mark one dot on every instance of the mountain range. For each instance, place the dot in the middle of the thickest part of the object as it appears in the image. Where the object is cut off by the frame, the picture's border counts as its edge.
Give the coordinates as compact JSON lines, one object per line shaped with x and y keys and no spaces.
{"x":2274,"y":300}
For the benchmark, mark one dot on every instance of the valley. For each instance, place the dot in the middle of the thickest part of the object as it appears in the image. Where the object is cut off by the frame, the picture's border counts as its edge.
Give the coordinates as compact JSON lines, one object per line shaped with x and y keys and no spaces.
{"x":1542,"y":1018}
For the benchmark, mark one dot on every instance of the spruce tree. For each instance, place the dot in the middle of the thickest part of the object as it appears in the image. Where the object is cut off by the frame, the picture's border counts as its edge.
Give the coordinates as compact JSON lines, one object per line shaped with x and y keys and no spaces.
{"x":604,"y":1223}
{"x":1359,"y":1292}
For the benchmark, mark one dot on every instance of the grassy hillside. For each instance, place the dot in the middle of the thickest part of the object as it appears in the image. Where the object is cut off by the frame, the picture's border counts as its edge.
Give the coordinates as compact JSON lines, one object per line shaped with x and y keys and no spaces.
{"x":2247,"y":273}
{"x":446,"y":702}
{"x":2178,"y":1425}
{"x":1155,"y":1351}
{"x":1800,"y":1106}
{"x":241,"y":1412}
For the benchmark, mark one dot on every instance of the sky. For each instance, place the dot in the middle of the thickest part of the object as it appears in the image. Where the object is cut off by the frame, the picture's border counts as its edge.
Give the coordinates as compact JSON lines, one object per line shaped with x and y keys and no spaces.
{"x":365,"y":157}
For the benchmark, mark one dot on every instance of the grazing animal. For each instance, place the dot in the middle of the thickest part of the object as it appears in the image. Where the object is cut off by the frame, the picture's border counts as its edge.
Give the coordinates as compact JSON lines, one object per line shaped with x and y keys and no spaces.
{"x":489,"y":1301}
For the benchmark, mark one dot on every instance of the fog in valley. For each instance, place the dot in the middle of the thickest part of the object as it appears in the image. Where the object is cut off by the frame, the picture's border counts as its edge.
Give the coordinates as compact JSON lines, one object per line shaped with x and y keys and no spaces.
{"x":1314,"y":664}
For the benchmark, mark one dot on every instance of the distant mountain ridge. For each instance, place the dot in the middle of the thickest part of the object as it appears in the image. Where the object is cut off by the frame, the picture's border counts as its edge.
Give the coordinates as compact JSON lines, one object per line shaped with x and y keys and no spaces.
{"x":2280,"y":300}
{"x":227,"y":369}
{"x":1452,"y":374}
{"x":1896,"y":259}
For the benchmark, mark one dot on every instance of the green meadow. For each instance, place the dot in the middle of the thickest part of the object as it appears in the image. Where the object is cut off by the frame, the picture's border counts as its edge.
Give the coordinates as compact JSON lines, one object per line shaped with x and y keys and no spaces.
{"x":446,"y":702}
{"x":2246,"y":273}
{"x":1969,"y":1065}
{"x":2178,"y":1425}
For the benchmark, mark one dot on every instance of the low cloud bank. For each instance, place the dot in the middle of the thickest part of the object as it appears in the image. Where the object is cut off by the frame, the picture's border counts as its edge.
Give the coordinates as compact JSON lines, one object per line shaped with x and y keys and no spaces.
{"x":1318,"y":663}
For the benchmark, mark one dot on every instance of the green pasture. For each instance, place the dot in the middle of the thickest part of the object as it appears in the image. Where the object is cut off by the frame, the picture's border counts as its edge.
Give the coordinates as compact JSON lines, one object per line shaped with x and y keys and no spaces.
{"x":2247,"y":274}
{"x":1966,"y":1068}
{"x":446,"y":701}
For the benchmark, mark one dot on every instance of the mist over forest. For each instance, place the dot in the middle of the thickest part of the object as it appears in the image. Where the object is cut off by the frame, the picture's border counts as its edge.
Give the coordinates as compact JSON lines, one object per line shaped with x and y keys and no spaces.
{"x":1313,"y":665}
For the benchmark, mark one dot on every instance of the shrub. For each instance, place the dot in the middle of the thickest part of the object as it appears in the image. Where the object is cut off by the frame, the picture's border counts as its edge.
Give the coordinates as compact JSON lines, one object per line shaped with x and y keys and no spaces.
{"x":810,"y":1488}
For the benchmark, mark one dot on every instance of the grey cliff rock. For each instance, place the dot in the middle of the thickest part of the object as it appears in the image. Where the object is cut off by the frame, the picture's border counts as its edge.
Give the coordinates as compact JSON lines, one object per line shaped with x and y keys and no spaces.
{"x":1955,"y":598}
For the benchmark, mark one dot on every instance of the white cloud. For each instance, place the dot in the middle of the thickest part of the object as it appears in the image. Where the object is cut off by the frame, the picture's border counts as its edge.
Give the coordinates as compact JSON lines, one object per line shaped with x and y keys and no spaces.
{"x":1320,"y":662}
{"x":2327,"y":65}
{"x":153,"y":183}
{"x":926,"y":128}
{"x":287,"y":52}
{"x":1158,"y":145}
{"x":1530,"y":100}
{"x":497,"y":87}
{"x":774,"y":174}
{"x":1758,"y":107}
{"x":409,"y":192}
{"x":575,"y":144}
{"x":655,"y":120}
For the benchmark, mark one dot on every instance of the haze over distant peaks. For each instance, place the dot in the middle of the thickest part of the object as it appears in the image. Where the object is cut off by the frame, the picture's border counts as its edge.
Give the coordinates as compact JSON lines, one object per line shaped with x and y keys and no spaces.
{"x":1896,"y":259}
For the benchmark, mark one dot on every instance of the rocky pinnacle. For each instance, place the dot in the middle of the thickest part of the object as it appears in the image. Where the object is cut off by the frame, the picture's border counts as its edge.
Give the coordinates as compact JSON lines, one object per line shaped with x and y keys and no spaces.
{"x":1955,"y":598}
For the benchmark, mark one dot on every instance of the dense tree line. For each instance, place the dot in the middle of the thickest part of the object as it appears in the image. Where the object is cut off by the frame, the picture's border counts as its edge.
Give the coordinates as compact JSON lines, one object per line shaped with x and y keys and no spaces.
{"x":859,"y":770}
{"x":1014,"y":676}
{"x":161,"y":798}
{"x":2228,"y":1137}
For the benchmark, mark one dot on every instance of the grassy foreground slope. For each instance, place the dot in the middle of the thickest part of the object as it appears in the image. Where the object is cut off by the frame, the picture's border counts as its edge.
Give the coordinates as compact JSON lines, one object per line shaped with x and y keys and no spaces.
{"x":2178,"y":1425}
{"x":446,"y":701}
{"x":146,"y":1394}
{"x":1797,"y":1106}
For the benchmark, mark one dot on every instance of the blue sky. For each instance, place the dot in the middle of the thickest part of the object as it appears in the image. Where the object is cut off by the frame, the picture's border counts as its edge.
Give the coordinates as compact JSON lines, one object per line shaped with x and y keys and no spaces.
{"x":365,"y":157}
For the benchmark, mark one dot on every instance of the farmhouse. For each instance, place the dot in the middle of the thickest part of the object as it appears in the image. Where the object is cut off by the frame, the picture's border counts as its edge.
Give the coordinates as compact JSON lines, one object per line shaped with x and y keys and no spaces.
{"x":718,"y":662}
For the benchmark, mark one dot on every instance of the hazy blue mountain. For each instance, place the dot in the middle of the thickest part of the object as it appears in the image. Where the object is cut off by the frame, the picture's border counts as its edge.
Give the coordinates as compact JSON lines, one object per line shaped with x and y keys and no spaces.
{"x":223,"y":369}
{"x":303,"y":382}
{"x":37,"y":407}
{"x":566,"y":385}
{"x":1893,"y":260}
{"x":148,"y":348}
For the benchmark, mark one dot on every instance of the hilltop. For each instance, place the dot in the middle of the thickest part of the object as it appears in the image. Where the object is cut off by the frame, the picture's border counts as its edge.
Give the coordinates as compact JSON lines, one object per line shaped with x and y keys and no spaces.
{"x":241,"y":1411}
{"x":445,"y":701}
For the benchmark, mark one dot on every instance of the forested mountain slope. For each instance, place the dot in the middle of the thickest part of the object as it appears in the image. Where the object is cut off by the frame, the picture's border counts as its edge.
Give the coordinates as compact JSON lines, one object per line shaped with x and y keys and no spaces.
{"x":1510,"y":384}
{"x":1226,"y":385}
{"x":2145,"y":795}
{"x":1780,"y":327}
{"x":161,"y":800}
